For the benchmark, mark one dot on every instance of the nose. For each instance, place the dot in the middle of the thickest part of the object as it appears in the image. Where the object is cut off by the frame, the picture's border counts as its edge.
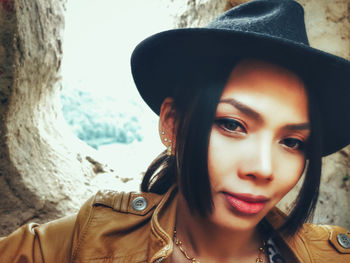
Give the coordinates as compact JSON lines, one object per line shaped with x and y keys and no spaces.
{"x":257,"y":163}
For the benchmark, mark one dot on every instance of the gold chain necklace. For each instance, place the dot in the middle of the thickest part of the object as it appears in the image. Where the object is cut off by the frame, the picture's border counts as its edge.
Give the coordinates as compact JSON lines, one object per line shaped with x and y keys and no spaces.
{"x":178,"y":243}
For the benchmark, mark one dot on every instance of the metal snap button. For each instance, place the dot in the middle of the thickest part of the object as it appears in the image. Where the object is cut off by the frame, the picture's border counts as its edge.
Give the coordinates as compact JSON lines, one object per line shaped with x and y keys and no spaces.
{"x":139,"y":203}
{"x":343,"y":240}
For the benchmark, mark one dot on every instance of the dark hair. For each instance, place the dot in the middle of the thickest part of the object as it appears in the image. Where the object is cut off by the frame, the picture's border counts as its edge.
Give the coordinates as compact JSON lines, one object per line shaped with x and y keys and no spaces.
{"x":195,"y":102}
{"x":306,"y":200}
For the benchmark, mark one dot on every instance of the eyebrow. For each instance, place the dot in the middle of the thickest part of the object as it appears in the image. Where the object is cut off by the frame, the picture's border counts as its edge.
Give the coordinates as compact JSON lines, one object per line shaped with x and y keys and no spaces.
{"x":255,"y":115}
{"x":243,"y":108}
{"x":301,"y":126}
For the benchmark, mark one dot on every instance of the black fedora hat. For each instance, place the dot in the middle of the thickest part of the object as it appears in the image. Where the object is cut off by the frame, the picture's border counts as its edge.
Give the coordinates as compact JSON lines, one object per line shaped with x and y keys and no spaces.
{"x":272,"y":30}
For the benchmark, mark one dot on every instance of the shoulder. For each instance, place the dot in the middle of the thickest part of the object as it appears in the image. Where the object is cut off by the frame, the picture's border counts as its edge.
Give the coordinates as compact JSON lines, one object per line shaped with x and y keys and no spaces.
{"x":113,"y":221}
{"x":315,"y":242}
{"x":327,"y":237}
{"x":138,"y":203}
{"x":109,"y":203}
{"x":322,"y":243}
{"x":117,"y":207}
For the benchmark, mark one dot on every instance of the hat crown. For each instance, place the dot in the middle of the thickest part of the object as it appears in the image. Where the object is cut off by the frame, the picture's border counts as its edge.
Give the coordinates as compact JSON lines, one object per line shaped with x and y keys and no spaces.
{"x":275,"y":18}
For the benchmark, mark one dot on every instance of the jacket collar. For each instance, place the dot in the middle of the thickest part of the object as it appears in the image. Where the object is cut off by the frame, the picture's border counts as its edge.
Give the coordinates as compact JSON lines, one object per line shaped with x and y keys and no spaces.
{"x":289,"y":246}
{"x":162,"y":227}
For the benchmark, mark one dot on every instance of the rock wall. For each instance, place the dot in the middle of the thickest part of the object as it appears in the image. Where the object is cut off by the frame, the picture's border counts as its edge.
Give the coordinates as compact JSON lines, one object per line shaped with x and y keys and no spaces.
{"x":195,"y":13}
{"x":42,"y":168}
{"x":45,"y":172}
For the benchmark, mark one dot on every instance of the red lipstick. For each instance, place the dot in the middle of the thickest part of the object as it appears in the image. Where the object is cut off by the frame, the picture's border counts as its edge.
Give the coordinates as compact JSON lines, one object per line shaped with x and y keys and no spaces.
{"x":247,"y":204}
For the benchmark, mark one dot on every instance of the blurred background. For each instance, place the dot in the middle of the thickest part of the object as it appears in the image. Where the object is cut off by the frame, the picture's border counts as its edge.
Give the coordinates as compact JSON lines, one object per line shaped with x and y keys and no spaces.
{"x":99,"y":99}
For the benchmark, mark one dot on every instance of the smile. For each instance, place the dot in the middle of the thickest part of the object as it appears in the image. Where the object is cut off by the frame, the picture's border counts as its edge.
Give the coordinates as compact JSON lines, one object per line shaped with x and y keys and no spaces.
{"x":246,"y":204}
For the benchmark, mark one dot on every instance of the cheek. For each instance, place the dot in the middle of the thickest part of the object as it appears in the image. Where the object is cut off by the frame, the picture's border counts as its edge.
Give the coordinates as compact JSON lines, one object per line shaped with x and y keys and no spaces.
{"x":216,"y":158}
{"x":213,"y":160}
{"x":288,"y":173}
{"x":222,"y":158}
{"x":227,"y":156}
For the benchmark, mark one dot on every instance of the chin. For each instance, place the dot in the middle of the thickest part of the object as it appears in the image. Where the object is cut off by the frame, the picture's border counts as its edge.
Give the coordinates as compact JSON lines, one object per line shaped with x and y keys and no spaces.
{"x":233,"y":223}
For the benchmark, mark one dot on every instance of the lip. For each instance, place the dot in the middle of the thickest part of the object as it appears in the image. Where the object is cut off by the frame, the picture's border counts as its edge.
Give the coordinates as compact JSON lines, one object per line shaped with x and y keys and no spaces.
{"x":246,"y":204}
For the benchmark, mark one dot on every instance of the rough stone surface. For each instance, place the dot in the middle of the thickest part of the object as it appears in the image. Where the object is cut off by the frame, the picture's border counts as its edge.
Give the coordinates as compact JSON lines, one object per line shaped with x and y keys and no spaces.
{"x":42,"y":168}
{"x":196,"y":13}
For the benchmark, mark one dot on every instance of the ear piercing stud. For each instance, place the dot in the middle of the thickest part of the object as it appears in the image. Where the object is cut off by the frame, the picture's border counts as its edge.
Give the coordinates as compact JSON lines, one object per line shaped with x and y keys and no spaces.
{"x":169,"y":151}
{"x":169,"y":148}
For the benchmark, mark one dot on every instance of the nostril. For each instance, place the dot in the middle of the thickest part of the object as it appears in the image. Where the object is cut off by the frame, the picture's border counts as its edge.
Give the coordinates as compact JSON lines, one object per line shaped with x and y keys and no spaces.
{"x":255,"y":176}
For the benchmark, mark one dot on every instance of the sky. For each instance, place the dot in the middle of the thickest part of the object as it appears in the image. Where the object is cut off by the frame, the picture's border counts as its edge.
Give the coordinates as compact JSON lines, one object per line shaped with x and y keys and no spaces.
{"x":99,"y":38}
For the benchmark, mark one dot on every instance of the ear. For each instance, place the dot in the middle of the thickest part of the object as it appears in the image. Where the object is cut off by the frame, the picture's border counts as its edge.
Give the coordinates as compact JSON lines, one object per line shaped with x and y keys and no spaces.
{"x":167,"y":131}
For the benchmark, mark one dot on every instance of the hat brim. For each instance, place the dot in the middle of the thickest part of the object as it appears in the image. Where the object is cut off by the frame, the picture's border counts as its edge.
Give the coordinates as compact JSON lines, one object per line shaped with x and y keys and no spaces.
{"x":160,"y":60}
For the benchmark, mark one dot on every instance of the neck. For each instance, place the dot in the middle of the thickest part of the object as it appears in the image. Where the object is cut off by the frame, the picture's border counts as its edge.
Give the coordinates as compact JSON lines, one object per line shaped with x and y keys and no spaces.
{"x":204,"y":240}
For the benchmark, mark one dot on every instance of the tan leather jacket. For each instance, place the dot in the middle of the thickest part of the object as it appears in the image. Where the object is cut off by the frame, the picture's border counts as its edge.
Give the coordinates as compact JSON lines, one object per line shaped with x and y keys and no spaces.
{"x":134,"y":227}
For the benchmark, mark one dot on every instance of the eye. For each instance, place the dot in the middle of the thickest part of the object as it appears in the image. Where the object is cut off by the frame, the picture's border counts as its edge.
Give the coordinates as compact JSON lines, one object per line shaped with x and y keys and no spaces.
{"x":294,"y":144}
{"x":230,"y":125}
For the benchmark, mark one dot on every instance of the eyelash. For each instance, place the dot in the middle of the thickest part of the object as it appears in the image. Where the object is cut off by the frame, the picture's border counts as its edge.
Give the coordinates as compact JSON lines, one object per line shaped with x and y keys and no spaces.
{"x":294,"y":143}
{"x":224,"y":122}
{"x":300,"y":144}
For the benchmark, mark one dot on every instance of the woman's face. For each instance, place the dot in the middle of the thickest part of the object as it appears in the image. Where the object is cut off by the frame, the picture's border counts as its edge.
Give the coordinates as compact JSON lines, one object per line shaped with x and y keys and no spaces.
{"x":256,"y":148}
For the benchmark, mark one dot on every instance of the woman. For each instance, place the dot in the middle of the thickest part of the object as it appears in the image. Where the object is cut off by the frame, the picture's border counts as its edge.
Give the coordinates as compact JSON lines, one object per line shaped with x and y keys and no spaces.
{"x":245,"y":106}
{"x":256,"y":154}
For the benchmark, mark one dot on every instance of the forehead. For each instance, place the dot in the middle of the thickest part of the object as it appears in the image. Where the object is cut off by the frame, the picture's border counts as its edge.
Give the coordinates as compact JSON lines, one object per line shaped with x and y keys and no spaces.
{"x":253,"y":72}
{"x":268,"y":87}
